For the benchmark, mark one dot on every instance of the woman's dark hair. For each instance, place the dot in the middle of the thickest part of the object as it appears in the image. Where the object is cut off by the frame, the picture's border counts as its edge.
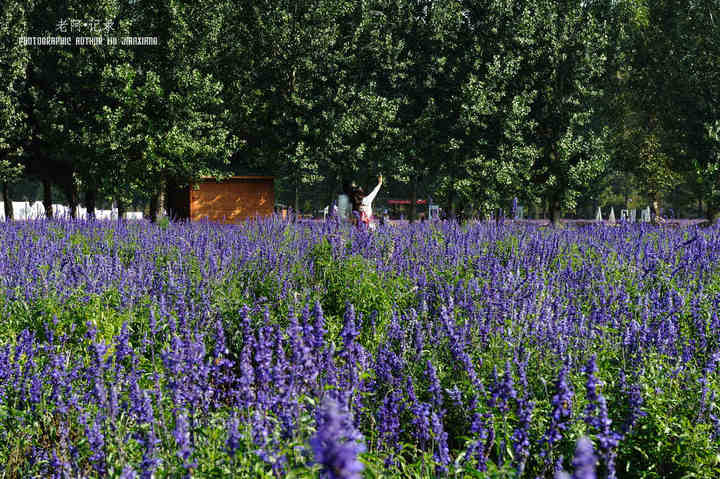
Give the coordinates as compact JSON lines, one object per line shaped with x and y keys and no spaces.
{"x":356,"y":198}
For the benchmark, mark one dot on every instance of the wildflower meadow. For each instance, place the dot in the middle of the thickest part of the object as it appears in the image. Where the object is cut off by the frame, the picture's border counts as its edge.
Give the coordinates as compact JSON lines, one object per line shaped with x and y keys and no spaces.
{"x":277,"y":349}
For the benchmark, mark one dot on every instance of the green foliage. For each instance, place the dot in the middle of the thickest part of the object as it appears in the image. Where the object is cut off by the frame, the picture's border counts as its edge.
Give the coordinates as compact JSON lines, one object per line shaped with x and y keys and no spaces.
{"x":13,"y":62}
{"x":355,"y":280}
{"x":470,"y":104}
{"x":71,"y":316}
{"x":669,"y":442}
{"x":673,"y":438}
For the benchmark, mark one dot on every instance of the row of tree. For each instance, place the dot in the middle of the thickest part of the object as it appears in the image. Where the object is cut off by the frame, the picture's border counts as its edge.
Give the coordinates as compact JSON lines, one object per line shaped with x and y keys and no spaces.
{"x":471,"y":102}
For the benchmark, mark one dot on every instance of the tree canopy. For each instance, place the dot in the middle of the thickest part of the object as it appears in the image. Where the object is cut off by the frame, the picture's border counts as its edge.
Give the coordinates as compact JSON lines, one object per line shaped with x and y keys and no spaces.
{"x":565,"y":105}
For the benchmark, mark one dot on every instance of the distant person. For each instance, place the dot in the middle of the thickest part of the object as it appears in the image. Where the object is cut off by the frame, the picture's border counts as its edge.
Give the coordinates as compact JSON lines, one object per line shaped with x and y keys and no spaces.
{"x":344,"y":205}
{"x":362,"y":204}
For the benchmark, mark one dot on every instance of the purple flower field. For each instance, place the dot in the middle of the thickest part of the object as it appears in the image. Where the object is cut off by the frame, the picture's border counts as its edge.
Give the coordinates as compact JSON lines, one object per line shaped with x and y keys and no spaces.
{"x":275,"y":349}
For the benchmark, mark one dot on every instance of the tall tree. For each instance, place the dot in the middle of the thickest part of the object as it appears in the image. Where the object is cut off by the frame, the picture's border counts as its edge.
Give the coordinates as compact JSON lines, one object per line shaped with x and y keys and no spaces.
{"x":665,"y":85}
{"x":13,"y":62}
{"x":408,"y":58}
{"x":495,"y":158}
{"x":565,"y":66}
{"x":165,"y":120}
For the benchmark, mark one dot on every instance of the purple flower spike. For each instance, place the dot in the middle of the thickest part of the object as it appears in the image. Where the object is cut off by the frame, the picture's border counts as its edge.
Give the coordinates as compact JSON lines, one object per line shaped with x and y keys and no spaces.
{"x":182,"y":439}
{"x":562,"y":410}
{"x":337,"y":444}
{"x":234,"y":437}
{"x":128,"y":473}
{"x":584,"y":460}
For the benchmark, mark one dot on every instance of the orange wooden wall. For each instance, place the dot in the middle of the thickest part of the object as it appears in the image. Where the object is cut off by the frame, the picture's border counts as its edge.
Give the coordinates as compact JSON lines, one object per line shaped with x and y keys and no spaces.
{"x":232,"y":200}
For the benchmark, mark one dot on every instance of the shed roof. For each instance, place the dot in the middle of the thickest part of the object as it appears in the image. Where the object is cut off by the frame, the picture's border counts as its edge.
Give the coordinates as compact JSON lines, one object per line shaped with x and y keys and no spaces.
{"x":238,"y":178}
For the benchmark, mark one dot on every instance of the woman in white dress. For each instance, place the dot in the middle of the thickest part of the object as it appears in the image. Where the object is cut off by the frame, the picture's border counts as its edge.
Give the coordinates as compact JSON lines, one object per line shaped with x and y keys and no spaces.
{"x":362,"y":203}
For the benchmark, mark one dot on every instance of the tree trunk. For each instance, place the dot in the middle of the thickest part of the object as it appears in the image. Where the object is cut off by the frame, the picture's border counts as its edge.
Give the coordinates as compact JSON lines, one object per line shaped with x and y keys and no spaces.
{"x":655,"y":209}
{"x":711,"y":215}
{"x":47,"y":198}
{"x":172,"y":204}
{"x":121,"y":209}
{"x":596,"y":205}
{"x":451,"y":198}
{"x":154,"y":201}
{"x":6,"y":201}
{"x":297,"y":196}
{"x":555,"y":214}
{"x":452,"y":189}
{"x":333,"y":193}
{"x":90,"y":201}
{"x":156,"y":205}
{"x":72,"y":196}
{"x":413,"y":202}
{"x":157,"y":201}
{"x":712,"y":210}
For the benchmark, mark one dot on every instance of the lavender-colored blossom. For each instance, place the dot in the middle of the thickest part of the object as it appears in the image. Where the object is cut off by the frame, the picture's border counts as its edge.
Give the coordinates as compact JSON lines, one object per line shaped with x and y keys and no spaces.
{"x":434,"y":388}
{"x":521,"y":434}
{"x":233,"y":436}
{"x":337,"y":444}
{"x":591,"y":387}
{"x":389,"y":426}
{"x":561,"y":412}
{"x":96,"y":440}
{"x":479,"y":295}
{"x":150,"y":461}
{"x":421,"y":422}
{"x":181,"y":434}
{"x":584,"y":460}
{"x":349,"y":332}
{"x":128,"y":473}
{"x":506,"y":389}
{"x":441,"y":451}
{"x":597,"y":417}
{"x":456,"y":396}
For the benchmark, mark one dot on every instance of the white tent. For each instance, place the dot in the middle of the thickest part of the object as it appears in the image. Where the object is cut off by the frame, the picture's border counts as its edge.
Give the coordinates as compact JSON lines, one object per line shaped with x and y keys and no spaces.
{"x":61,"y":211}
{"x":21,"y":210}
{"x":645,"y":215}
{"x":37,"y":211}
{"x":103,"y":214}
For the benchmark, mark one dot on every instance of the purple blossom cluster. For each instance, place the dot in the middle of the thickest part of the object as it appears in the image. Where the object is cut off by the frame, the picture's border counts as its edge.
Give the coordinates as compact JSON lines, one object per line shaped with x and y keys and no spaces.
{"x":133,"y":350}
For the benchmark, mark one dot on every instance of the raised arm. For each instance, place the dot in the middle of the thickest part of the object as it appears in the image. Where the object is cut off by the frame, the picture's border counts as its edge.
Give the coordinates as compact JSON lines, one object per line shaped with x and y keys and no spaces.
{"x":370,"y":197}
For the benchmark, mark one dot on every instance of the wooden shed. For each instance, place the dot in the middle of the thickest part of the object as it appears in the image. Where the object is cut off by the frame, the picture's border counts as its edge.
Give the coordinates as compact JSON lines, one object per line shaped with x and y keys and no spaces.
{"x":229,"y":201}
